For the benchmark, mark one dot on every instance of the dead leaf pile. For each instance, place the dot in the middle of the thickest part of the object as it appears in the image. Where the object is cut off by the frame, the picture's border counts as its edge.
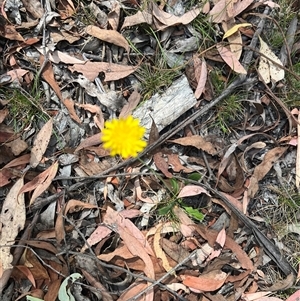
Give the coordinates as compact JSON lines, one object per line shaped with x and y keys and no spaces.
{"x":193,"y":217}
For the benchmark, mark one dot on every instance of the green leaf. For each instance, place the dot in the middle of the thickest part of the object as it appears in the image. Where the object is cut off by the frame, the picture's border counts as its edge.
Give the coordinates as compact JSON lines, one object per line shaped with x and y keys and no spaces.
{"x":166,"y":209}
{"x":64,"y":293}
{"x":30,"y":298}
{"x":195,"y":176}
{"x":175,"y":186}
{"x":194,"y":213}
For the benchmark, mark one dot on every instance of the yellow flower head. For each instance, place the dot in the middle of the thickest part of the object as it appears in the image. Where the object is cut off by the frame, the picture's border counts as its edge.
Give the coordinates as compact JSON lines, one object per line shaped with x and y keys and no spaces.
{"x":123,"y":137}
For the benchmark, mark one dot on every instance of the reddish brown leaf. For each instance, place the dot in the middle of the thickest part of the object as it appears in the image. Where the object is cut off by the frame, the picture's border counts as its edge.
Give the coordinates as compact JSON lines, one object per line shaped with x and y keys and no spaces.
{"x":161,"y":164}
{"x":231,"y":60}
{"x":207,"y":282}
{"x":75,"y":206}
{"x":41,"y":182}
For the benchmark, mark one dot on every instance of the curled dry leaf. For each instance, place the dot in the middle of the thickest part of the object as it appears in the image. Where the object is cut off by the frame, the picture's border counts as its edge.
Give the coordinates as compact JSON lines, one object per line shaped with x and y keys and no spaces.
{"x":110,"y":36}
{"x":207,"y":282}
{"x":40,"y":143}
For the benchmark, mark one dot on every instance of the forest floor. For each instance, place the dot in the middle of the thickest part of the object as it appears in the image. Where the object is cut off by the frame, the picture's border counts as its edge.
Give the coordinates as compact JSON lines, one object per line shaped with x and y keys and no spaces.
{"x":148,"y":150}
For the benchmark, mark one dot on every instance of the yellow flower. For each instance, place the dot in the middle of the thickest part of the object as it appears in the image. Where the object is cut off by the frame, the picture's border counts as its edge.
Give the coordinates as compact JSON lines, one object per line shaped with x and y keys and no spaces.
{"x":123,"y":137}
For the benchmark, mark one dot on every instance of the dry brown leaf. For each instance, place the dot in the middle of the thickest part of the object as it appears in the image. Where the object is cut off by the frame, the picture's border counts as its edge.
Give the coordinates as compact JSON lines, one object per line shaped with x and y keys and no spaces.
{"x":211,"y":235}
{"x":168,"y":20}
{"x":110,"y":36}
{"x":161,"y":164}
{"x":52,"y":291}
{"x":174,"y":250}
{"x":112,"y":71}
{"x":69,"y":103}
{"x":219,"y":12}
{"x":34,"y":7}
{"x":16,"y":74}
{"x":12,"y":220}
{"x":231,"y":60}
{"x":220,"y":240}
{"x":133,"y":101}
{"x":75,"y":206}
{"x":176,"y":165}
{"x":139,"y":18}
{"x":49,"y":78}
{"x":17,"y":146}
{"x":59,"y":56}
{"x":294,"y":297}
{"x":132,"y":291}
{"x":198,"y":142}
{"x":134,"y":240}
{"x":51,"y":173}
{"x":18,"y":161}
{"x":90,"y":141}
{"x":234,"y":39}
{"x":98,"y":118}
{"x":121,"y":251}
{"x":99,"y":233}
{"x":206,"y":282}
{"x":41,"y":182}
{"x":200,"y":74}
{"x":139,"y":192}
{"x":263,"y":168}
{"x":159,"y":252}
{"x":3,"y":114}
{"x":11,"y":33}
{"x":113,"y":16}
{"x":40,"y":143}
{"x":191,"y":190}
{"x":66,"y":8}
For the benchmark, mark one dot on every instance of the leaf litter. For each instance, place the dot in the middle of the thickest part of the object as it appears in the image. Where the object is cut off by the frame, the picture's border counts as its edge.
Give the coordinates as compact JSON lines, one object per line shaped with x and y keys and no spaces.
{"x":208,"y":211}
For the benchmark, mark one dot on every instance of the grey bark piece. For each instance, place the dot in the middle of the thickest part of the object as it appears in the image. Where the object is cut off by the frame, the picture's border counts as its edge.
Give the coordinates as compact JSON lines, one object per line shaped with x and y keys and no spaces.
{"x":167,"y":107}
